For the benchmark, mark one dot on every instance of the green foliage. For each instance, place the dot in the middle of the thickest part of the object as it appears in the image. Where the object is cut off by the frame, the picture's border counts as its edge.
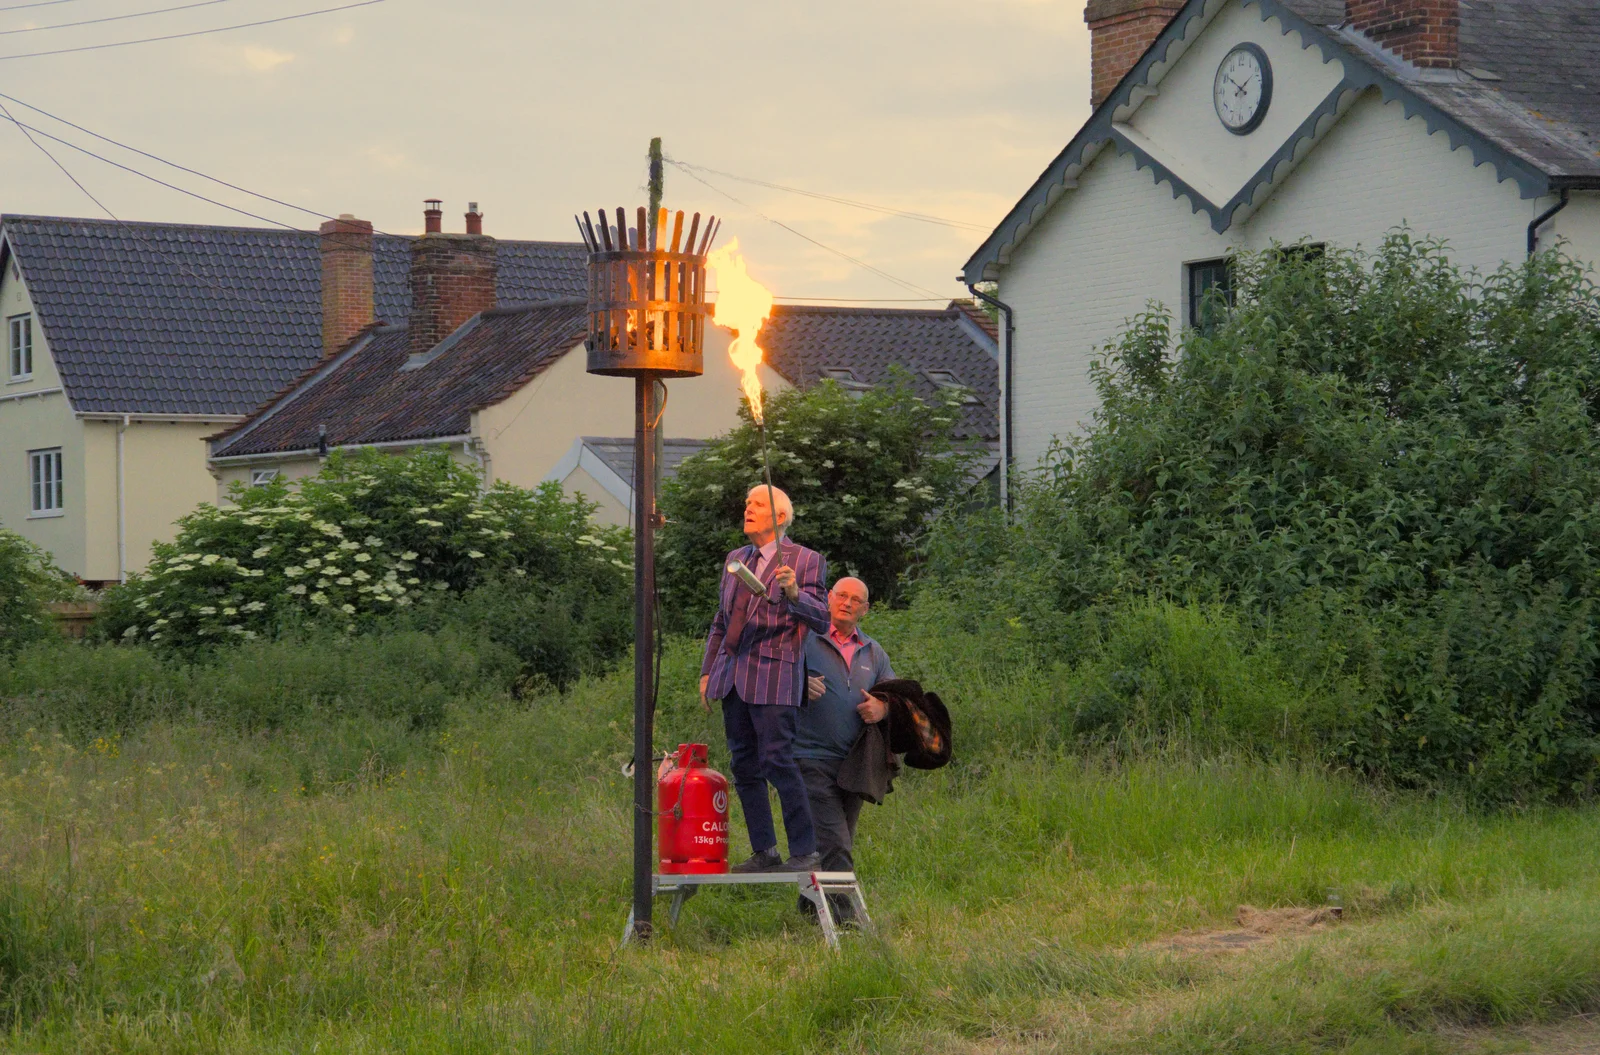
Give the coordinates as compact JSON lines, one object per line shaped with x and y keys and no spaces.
{"x":867,"y":472}
{"x":370,"y":535}
{"x":28,"y":579}
{"x":1387,"y":469}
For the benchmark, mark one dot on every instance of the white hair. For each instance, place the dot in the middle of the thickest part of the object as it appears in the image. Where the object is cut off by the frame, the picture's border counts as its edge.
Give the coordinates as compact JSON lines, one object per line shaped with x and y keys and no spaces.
{"x":785,"y":508}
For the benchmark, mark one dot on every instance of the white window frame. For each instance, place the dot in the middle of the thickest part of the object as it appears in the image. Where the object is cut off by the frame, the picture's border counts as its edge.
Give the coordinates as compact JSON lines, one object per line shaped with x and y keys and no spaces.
{"x":19,"y":347}
{"x":46,"y":483}
{"x":263,"y":476}
{"x":949,"y":381}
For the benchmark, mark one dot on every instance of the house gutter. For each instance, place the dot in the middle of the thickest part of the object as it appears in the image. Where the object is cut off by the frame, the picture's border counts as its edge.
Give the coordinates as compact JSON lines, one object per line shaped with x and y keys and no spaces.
{"x":122,"y":506}
{"x":313,"y":452}
{"x":1007,"y":336}
{"x":32,"y":394}
{"x":1544,"y":218}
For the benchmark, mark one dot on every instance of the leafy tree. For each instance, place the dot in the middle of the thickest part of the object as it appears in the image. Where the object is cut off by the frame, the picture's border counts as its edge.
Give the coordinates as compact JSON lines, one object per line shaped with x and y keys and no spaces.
{"x":28,"y":580}
{"x":370,"y":535}
{"x":866,"y":472}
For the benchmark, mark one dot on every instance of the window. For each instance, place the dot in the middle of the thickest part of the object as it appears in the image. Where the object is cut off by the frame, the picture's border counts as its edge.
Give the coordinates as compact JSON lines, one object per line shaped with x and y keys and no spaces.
{"x":44,"y":476}
{"x":1210,"y":293}
{"x":262,"y":476}
{"x":947,"y":380}
{"x":19,"y":345}
{"x":846,"y":380}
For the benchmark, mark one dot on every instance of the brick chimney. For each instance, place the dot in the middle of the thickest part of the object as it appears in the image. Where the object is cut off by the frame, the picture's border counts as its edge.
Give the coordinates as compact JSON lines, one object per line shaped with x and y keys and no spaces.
{"x":452,"y":279}
{"x":1120,"y":32}
{"x":347,"y":307}
{"x":1423,"y":32}
{"x":474,"y":218}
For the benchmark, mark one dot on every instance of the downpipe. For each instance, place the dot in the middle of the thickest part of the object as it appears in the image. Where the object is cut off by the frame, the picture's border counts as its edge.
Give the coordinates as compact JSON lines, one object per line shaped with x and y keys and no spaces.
{"x":1544,"y":218}
{"x":1007,"y":336}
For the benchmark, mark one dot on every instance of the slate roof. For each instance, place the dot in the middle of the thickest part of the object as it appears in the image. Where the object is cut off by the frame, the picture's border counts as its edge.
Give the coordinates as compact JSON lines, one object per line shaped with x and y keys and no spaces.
{"x":803,"y":341}
{"x":617,"y":454}
{"x":154,"y":318}
{"x":1541,"y":98}
{"x":363,"y":395}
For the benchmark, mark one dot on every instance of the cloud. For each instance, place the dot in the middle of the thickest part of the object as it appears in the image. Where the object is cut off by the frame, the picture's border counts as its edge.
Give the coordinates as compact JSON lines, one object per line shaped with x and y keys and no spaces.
{"x":265,"y":60}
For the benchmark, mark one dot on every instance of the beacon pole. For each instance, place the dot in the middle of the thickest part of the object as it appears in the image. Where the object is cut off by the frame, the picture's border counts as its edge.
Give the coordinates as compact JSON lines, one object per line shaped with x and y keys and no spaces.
{"x":644,"y":616}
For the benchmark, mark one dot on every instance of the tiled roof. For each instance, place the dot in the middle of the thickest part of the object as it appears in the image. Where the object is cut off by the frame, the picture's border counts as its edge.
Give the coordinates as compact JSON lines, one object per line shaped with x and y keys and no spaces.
{"x":803,"y":342}
{"x":364,"y":394}
{"x":152,"y":318}
{"x":1541,"y":98}
{"x":617,"y":454}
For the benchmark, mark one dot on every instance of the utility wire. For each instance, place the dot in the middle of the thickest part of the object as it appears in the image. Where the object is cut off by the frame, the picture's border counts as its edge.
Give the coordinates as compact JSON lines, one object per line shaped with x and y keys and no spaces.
{"x":45,"y":150}
{"x":164,"y":161}
{"x":111,"y":18}
{"x":870,"y":300}
{"x":37,"y":3}
{"x":908,"y":286}
{"x":194,"y":33}
{"x":883,"y":209}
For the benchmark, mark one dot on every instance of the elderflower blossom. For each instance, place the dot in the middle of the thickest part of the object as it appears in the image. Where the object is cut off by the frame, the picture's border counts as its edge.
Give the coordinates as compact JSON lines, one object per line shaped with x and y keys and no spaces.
{"x":261,"y":552}
{"x":362,"y":558}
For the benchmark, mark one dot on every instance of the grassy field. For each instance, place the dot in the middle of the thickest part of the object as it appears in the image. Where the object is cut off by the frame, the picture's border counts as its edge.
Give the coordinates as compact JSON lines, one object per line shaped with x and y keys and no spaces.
{"x":359,"y":887}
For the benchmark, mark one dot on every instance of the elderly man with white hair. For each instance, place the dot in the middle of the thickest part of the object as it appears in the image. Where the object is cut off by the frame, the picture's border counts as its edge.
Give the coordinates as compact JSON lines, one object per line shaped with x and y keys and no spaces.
{"x":754,"y":664}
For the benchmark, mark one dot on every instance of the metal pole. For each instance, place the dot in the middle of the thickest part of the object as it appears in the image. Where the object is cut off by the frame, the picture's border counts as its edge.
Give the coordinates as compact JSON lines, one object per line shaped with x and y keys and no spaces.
{"x":644,"y":617}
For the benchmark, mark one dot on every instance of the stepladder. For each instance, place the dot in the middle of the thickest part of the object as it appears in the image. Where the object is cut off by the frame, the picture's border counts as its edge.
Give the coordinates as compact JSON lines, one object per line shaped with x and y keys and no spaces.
{"x":815,"y":887}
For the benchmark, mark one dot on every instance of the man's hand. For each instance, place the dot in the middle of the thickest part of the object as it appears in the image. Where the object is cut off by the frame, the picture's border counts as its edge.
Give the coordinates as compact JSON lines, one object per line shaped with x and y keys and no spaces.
{"x":705,"y":704}
{"x":785,"y":580}
{"x":815,"y":687}
{"x":872,"y":709}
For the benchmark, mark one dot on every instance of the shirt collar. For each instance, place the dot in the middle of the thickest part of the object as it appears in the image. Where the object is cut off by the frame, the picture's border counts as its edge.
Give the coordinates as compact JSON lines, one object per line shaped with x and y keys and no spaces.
{"x":855,"y":635}
{"x":768,"y":550}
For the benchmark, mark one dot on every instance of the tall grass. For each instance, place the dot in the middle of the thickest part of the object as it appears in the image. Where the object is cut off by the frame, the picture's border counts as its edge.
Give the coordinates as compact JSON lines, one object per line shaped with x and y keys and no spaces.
{"x":345,"y":881}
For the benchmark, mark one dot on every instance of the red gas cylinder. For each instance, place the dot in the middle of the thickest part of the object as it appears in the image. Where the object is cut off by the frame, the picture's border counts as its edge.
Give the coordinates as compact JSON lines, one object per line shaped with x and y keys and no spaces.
{"x":692,"y":805}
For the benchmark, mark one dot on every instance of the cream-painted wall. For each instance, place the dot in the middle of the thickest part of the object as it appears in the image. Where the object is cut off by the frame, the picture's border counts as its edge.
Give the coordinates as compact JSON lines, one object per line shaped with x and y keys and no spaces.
{"x":527,"y":434}
{"x":1119,"y":241}
{"x":165,"y":463}
{"x":1578,"y":226}
{"x":609,"y":510}
{"x":1179,"y":127}
{"x":32,"y":424}
{"x":291,"y":469}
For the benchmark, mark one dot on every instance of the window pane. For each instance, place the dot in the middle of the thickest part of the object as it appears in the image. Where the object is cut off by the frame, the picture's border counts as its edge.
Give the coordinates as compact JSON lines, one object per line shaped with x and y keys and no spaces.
{"x":36,"y":465}
{"x":56,"y":475}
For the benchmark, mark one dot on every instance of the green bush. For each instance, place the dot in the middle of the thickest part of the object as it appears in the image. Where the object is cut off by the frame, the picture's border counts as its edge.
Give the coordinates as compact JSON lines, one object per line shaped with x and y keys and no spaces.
{"x":370,"y":535}
{"x":867,"y":472}
{"x":28,"y":579}
{"x":1386,"y":468}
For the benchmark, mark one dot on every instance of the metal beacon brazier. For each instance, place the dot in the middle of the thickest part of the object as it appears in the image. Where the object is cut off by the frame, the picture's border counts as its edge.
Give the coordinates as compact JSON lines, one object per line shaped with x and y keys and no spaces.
{"x":692,"y":812}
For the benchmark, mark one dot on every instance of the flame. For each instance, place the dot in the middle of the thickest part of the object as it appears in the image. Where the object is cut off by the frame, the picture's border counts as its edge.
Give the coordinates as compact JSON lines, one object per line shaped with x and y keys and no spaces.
{"x":743,"y":304}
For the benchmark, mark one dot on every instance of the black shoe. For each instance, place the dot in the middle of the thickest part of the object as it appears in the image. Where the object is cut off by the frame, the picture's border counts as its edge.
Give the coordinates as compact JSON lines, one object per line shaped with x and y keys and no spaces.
{"x":761,"y":861}
{"x":807,"y":863}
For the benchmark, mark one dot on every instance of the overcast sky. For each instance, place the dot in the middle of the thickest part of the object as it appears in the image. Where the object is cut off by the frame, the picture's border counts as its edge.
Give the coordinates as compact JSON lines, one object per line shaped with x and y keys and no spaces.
{"x":537,"y":110}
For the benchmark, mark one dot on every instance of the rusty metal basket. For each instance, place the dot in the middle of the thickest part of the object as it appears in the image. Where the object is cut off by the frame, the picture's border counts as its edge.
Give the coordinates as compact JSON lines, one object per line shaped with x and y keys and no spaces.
{"x":647,"y":296}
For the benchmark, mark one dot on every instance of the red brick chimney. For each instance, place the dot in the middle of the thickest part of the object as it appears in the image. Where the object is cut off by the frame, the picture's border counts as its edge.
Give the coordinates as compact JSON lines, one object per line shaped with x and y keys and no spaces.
{"x":1423,"y":32}
{"x":452,"y":279}
{"x":1120,"y":32}
{"x":474,"y":218}
{"x":347,"y":308}
{"x":432,"y":216}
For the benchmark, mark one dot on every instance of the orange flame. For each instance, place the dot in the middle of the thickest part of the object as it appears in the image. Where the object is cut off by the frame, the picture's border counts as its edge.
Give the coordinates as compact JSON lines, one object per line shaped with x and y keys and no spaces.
{"x":743,"y":304}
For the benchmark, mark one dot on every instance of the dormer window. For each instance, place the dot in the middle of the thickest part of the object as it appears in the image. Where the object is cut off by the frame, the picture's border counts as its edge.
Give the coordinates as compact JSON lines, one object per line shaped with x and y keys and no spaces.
{"x":949,"y":382}
{"x":19,"y":347}
{"x":846,"y":380}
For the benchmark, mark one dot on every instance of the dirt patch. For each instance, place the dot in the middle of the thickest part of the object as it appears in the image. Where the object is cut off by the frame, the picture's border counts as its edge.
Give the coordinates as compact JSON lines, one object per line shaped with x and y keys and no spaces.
{"x":1256,"y":926}
{"x":1577,"y":1036}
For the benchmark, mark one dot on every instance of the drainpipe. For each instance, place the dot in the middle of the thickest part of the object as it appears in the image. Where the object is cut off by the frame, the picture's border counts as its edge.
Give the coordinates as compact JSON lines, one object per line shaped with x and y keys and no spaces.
{"x":1544,"y":218}
{"x":122,"y":507}
{"x":1007,"y":336}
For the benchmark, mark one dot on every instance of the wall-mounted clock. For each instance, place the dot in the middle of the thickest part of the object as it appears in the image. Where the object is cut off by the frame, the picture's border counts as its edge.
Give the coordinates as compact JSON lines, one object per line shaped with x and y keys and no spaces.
{"x":1242,"y":91}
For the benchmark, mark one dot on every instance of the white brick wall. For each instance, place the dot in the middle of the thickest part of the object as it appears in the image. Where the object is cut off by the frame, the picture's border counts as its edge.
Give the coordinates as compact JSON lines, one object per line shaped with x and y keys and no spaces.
{"x":1119,"y":241}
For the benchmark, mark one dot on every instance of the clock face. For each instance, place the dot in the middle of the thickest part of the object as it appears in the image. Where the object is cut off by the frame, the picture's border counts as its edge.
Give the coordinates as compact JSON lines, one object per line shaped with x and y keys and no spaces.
{"x":1243,"y":89}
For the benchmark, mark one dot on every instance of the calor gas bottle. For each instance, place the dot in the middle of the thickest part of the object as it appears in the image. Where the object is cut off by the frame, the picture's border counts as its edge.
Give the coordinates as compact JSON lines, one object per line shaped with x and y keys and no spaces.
{"x":692,"y":815}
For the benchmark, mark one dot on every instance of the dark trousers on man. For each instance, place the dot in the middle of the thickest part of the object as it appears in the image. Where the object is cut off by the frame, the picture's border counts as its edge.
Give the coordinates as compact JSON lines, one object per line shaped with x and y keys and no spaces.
{"x":761,"y":743}
{"x":834,"y":811}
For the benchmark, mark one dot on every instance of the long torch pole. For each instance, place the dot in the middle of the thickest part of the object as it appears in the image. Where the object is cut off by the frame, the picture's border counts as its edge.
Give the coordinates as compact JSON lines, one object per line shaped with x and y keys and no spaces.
{"x":644,"y":614}
{"x":772,"y":502}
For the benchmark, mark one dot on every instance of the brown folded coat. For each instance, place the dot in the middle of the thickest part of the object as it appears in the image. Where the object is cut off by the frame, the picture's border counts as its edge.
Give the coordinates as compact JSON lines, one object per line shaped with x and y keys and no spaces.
{"x":917,"y":725}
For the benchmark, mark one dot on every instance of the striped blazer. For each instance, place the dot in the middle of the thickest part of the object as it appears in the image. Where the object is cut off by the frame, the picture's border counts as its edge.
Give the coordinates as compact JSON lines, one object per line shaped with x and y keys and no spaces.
{"x":767,"y":663}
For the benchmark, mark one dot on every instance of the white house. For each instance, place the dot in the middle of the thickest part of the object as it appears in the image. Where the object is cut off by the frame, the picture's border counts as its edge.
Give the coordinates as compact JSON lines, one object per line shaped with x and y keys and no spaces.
{"x":1228,"y":125}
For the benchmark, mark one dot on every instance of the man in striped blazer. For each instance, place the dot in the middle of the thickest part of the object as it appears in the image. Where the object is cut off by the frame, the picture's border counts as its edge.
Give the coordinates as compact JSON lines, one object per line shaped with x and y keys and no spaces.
{"x":754,"y":663}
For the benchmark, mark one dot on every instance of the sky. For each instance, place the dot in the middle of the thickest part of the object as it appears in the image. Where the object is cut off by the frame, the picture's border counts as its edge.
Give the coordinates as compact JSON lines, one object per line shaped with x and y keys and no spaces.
{"x":538,"y":110}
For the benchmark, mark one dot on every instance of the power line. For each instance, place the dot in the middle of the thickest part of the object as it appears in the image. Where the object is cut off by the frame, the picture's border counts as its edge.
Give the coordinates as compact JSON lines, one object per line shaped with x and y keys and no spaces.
{"x":57,"y":163}
{"x":164,"y":161}
{"x":885,"y":210}
{"x":870,"y":300}
{"x":111,"y":18}
{"x":908,"y":286}
{"x":36,"y":3}
{"x":194,"y":33}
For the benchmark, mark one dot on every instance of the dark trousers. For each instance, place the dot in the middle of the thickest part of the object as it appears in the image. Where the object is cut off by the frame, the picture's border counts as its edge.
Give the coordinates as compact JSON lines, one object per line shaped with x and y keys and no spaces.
{"x":834,"y":811}
{"x":761,"y":743}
